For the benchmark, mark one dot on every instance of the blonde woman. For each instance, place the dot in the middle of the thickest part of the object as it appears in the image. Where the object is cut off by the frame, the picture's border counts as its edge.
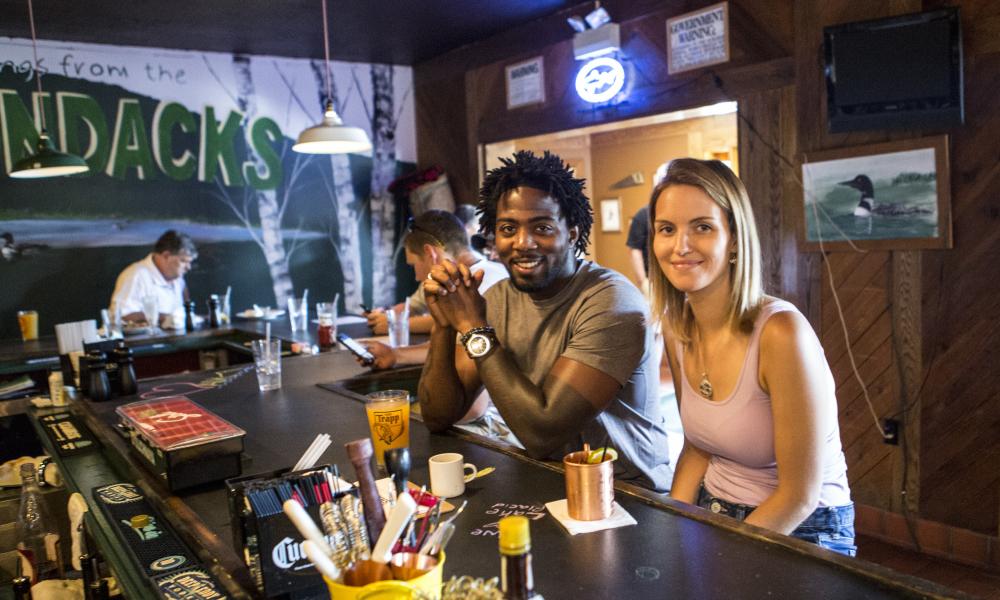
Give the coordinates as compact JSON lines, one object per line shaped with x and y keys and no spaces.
{"x":761,"y":438}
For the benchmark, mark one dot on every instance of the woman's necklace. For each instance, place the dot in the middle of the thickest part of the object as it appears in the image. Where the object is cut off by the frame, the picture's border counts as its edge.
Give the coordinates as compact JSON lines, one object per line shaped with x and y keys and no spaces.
{"x":705,"y":386}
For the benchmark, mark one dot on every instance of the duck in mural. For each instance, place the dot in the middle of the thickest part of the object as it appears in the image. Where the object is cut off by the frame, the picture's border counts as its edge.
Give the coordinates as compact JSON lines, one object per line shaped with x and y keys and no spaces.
{"x":867,"y":207}
{"x":10,"y":250}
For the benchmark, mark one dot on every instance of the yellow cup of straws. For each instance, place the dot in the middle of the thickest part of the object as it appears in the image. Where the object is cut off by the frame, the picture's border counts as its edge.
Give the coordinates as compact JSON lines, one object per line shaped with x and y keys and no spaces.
{"x":426,"y":586}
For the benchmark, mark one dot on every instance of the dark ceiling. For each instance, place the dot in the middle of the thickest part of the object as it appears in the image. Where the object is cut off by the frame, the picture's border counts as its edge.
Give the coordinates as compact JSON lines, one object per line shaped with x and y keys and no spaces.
{"x":403,"y":32}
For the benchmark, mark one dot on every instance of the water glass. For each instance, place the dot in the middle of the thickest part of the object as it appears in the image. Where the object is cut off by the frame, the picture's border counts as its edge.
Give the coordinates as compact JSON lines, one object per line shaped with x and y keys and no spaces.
{"x":326,"y":313}
{"x":267,"y":359}
{"x":150,"y":309}
{"x":225,"y":310}
{"x":298,"y":314}
{"x":399,"y":327}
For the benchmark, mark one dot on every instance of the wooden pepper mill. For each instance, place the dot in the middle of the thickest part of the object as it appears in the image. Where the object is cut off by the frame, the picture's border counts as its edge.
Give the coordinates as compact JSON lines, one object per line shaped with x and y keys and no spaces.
{"x":360,"y":453}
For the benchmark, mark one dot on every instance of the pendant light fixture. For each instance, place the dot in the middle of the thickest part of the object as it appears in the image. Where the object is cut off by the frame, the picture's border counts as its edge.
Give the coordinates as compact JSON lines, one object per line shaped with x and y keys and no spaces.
{"x":46,"y":161}
{"x":331,"y":136}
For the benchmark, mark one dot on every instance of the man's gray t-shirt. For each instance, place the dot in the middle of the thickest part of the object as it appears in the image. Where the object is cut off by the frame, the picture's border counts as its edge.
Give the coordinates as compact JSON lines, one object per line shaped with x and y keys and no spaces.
{"x":601,"y":320}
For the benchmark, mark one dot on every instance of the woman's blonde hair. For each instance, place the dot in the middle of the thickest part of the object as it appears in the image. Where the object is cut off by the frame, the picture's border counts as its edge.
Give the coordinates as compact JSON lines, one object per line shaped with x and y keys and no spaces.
{"x":725,"y":188}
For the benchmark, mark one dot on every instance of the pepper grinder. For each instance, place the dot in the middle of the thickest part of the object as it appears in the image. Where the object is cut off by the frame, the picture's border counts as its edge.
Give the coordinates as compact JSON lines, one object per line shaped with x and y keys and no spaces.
{"x":213,"y":311}
{"x":360,"y":454}
{"x":189,"y":308}
{"x":126,"y":371}
{"x":397,"y":462}
{"x":98,"y":386}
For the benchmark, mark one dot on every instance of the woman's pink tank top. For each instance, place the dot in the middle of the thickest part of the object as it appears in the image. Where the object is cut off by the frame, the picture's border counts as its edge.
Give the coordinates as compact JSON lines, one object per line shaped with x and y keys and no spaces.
{"x":738,"y":432}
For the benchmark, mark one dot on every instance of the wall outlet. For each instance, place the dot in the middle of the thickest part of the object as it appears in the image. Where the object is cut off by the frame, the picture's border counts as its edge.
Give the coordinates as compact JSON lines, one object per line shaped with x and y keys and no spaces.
{"x":890,"y":429}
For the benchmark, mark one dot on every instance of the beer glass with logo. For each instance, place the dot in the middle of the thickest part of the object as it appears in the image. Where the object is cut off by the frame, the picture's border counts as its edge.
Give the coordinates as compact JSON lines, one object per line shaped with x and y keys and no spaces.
{"x":27,"y":320}
{"x":389,"y":421}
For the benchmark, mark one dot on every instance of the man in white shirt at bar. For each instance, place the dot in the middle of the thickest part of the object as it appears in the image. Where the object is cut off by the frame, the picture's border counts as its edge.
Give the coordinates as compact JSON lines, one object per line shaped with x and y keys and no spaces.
{"x":161,"y":275}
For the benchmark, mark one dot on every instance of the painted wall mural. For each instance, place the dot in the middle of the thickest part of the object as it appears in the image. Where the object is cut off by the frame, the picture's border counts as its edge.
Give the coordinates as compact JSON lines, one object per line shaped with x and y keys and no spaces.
{"x":199,"y":142}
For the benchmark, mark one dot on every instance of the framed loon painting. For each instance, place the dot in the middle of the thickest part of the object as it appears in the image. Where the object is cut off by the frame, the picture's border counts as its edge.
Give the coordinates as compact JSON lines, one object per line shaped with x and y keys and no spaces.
{"x":889,"y":196}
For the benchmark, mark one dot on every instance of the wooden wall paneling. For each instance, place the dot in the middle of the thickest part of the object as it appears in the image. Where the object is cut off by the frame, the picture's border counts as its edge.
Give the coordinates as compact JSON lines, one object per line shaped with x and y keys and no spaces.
{"x":861,"y":281}
{"x":442,"y":131}
{"x":862,"y":304}
{"x":960,"y":415}
{"x":760,"y":137}
{"x":908,"y":359}
{"x":864,"y":350}
{"x":870,"y":462}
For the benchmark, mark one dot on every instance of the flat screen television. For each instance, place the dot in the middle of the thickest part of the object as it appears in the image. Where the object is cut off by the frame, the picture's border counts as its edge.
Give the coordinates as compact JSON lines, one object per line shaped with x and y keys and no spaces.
{"x":901,"y":72}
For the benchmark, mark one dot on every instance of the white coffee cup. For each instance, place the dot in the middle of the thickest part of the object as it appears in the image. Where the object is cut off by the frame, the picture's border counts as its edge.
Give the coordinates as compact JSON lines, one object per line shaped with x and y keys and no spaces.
{"x":448,"y":477}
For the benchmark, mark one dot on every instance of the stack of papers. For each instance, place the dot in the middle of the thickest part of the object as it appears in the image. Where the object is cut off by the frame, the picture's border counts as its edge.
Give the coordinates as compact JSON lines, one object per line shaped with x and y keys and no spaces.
{"x":16,"y":387}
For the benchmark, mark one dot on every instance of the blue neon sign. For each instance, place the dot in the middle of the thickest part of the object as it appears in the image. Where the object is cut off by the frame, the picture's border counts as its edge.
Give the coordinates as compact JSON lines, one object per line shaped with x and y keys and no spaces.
{"x":600,"y":80}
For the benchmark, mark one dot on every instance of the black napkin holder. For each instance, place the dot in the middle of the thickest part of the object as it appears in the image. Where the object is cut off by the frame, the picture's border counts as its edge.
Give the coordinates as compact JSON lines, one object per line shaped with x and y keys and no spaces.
{"x":271,"y":546}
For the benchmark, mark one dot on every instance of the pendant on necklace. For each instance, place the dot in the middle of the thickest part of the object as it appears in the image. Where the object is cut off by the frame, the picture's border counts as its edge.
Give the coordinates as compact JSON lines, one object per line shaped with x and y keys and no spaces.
{"x":705,"y":387}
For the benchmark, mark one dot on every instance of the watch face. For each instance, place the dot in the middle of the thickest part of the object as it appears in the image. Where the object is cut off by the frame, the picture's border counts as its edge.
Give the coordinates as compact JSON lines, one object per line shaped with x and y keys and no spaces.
{"x":478,"y":345}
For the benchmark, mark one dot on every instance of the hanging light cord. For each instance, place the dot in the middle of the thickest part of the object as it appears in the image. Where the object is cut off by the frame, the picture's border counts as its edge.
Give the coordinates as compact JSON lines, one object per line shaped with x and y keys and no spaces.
{"x":326,"y":52}
{"x":38,"y":75}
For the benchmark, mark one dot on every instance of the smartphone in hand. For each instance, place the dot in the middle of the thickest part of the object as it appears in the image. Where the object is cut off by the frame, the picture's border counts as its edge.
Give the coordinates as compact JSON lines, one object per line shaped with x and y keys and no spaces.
{"x":367,"y":358}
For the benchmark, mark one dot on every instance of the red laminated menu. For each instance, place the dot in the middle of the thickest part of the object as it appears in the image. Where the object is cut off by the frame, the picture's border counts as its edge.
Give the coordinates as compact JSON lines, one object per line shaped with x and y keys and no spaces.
{"x":177,"y":422}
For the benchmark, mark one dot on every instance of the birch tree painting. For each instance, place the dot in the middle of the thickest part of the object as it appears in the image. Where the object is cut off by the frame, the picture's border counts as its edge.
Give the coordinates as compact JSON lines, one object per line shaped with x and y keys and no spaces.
{"x":269,"y":210}
{"x":201,"y":142}
{"x":344,"y":226}
{"x":383,"y":208}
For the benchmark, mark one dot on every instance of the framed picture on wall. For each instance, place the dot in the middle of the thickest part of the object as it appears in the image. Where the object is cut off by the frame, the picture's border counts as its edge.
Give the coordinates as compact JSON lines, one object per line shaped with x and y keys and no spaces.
{"x":611,"y":214}
{"x":889,"y":196}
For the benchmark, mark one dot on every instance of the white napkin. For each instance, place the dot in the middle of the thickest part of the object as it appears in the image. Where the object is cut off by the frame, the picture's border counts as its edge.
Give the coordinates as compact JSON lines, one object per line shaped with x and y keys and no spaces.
{"x":619,"y":518}
{"x":350,"y":320}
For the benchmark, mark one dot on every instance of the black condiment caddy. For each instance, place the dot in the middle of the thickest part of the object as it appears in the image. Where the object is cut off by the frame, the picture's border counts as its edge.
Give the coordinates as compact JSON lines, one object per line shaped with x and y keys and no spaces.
{"x":271,"y":545}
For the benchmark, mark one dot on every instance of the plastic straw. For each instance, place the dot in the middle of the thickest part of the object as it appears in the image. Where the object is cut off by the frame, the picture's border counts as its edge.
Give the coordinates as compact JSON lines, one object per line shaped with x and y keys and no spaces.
{"x":305,"y":455}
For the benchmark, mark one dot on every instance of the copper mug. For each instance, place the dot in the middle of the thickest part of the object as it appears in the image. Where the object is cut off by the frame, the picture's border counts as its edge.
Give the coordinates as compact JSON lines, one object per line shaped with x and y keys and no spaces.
{"x":590,"y":488}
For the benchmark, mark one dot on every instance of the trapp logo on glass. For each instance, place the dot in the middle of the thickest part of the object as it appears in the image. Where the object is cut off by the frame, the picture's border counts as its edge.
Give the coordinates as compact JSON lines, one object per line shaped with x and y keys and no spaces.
{"x":600,"y":80}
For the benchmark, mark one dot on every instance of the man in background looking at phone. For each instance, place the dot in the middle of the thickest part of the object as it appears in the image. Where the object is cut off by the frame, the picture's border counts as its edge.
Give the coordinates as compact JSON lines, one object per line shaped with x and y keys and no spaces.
{"x":433,"y":237}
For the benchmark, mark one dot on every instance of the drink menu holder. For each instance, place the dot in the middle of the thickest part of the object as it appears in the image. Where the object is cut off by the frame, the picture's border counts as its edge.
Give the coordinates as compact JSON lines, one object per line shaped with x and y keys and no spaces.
{"x":270,"y":544}
{"x":182,"y":442}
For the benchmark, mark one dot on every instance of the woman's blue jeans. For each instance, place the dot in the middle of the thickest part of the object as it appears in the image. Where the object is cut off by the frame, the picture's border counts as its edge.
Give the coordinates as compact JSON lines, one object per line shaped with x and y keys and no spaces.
{"x":830,"y":527}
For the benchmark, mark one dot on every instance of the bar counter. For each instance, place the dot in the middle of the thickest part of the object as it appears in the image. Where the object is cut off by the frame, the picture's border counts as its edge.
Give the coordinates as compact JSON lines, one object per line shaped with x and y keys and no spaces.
{"x":675,"y":550}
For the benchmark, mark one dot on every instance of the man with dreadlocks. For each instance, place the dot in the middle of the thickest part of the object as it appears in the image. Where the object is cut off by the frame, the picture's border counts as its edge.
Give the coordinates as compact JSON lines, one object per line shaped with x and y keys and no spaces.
{"x":554,"y":345}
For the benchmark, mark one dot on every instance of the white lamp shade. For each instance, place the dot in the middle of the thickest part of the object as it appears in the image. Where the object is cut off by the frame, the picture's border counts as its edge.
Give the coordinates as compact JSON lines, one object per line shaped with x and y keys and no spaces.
{"x":331,"y":136}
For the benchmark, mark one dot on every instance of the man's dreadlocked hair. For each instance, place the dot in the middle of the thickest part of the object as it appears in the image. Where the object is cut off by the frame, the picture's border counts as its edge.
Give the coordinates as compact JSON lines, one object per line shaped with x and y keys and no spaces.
{"x":547,"y":173}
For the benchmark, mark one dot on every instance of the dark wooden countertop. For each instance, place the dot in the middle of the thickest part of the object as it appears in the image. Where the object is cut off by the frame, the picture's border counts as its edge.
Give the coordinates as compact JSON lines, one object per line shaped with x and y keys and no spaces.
{"x":674,"y":551}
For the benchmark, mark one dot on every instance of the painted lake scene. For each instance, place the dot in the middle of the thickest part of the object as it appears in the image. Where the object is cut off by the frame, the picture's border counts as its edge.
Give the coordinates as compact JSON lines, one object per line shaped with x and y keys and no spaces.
{"x":878,"y":197}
